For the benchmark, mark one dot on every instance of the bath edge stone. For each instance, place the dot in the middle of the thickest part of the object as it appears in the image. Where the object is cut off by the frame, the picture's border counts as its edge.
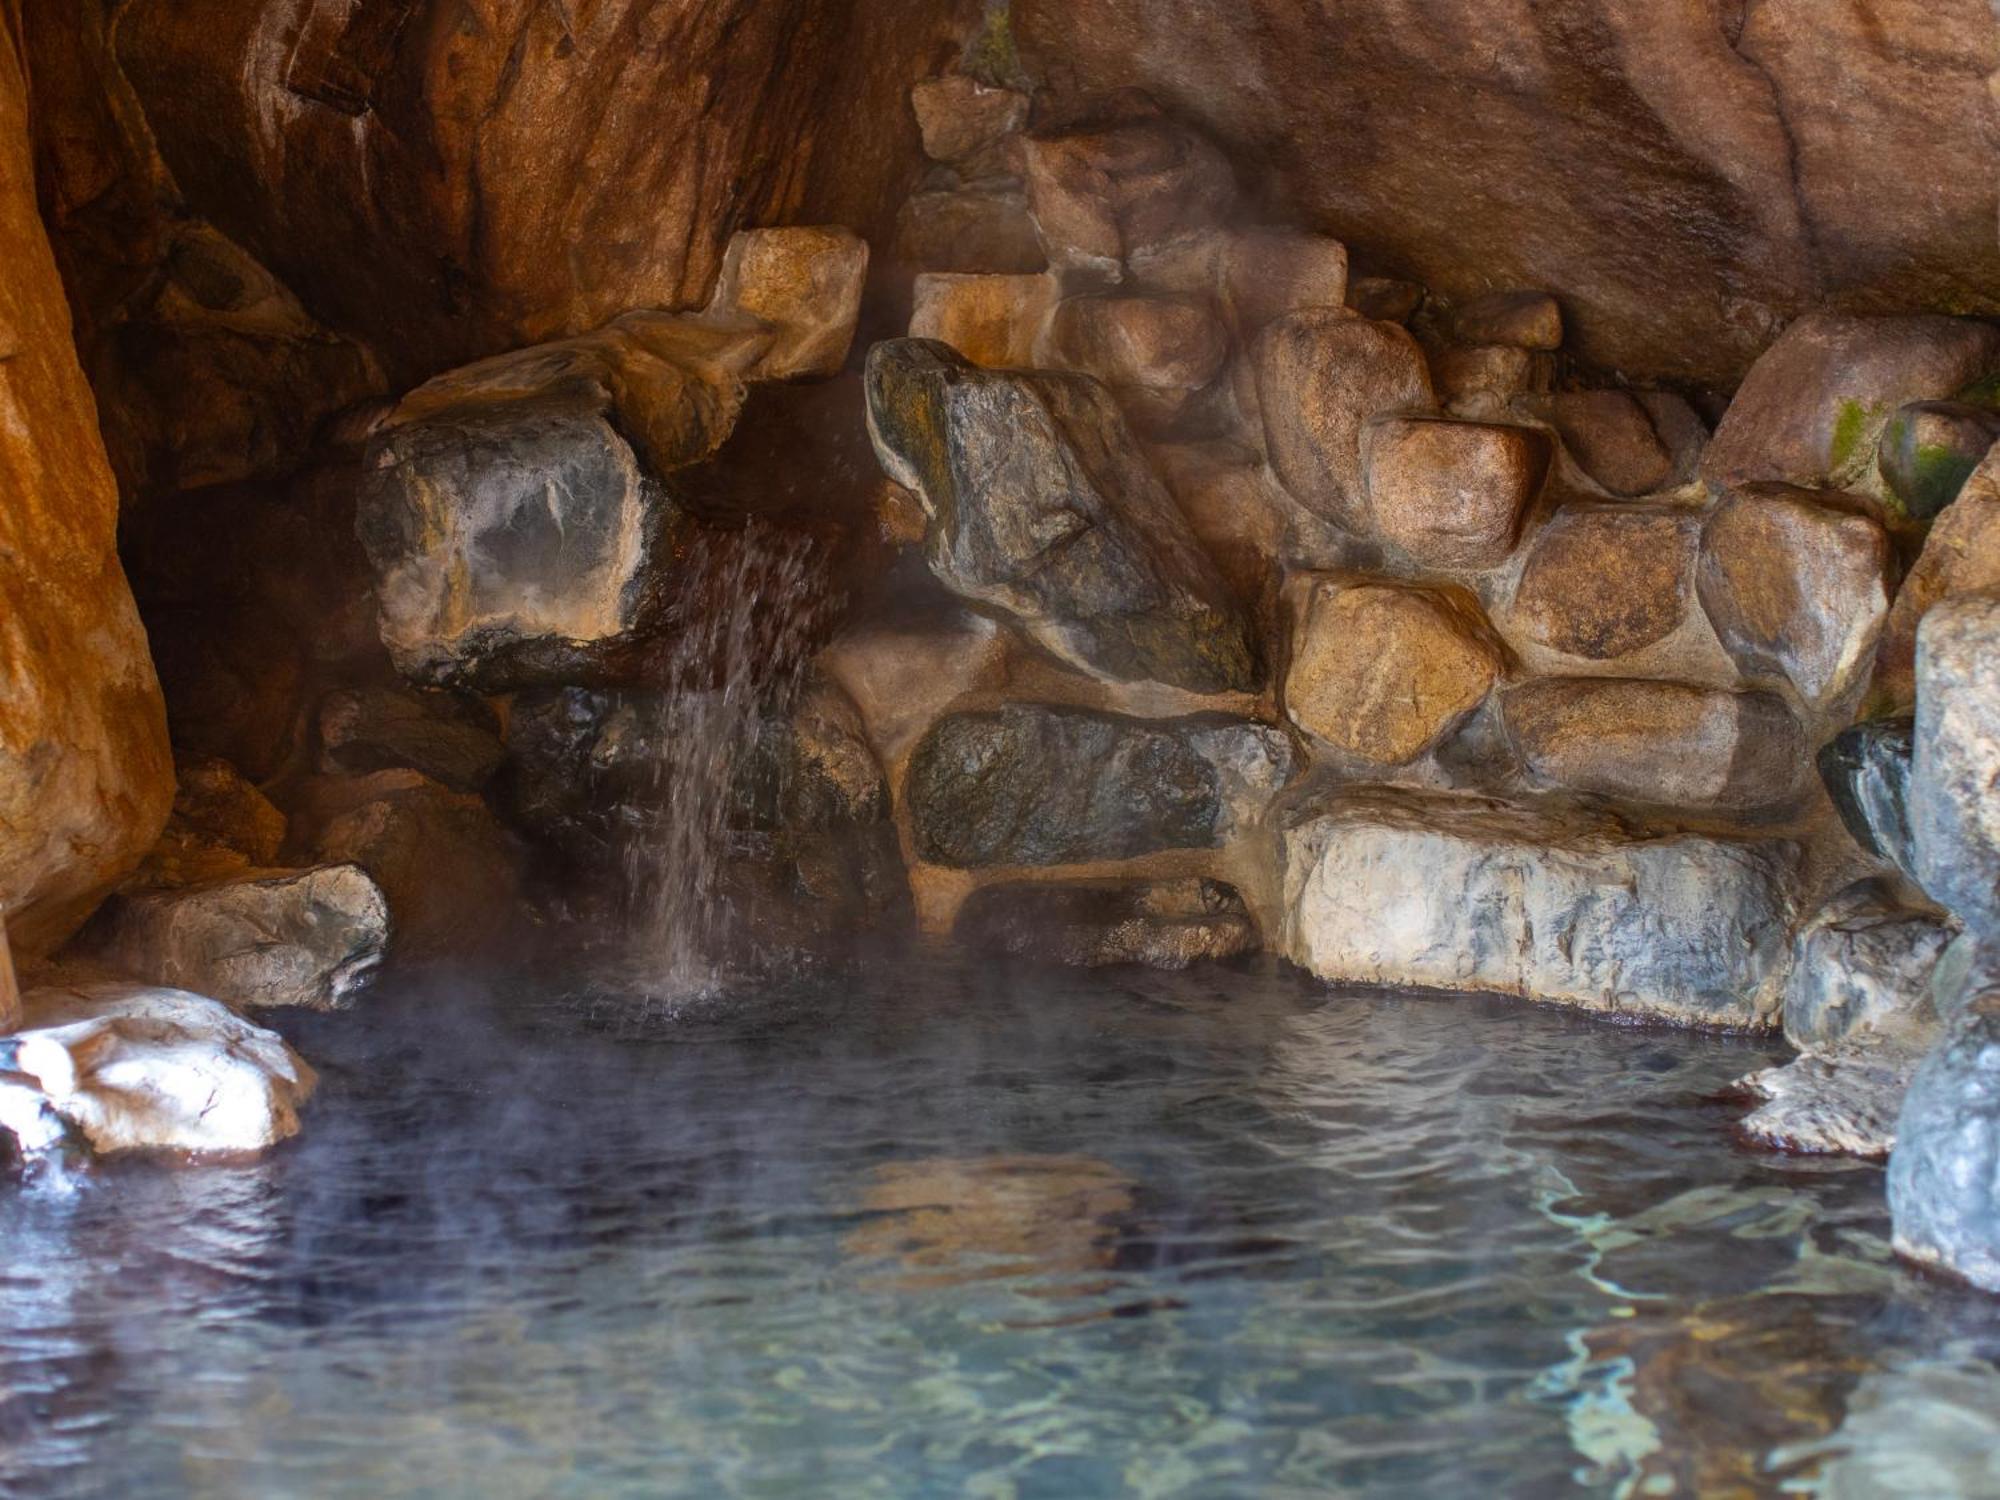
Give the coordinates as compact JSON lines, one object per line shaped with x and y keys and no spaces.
{"x":1544,"y":902}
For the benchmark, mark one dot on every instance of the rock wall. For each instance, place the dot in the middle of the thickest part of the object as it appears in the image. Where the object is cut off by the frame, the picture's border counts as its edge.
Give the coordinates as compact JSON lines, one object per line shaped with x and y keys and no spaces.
{"x":85,"y":777}
{"x":1690,"y":174}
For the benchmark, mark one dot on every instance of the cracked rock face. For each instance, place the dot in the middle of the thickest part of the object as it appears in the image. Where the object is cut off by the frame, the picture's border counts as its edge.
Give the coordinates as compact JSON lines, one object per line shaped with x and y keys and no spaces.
{"x":1042,"y":505}
{"x":1035,"y":785}
{"x":1862,"y":964}
{"x":1466,"y":894}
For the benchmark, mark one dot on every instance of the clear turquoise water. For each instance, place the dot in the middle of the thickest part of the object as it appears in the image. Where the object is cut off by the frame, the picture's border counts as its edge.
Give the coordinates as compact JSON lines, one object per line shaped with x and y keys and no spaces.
{"x":947,"y":1230}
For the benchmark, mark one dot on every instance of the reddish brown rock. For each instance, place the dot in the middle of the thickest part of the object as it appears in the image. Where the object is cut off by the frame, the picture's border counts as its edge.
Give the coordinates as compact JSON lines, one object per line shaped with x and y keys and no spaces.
{"x":533,"y":171}
{"x":992,"y":320}
{"x":1796,"y":589}
{"x":974,"y":231}
{"x":1812,"y":409}
{"x":1604,"y":581}
{"x":1270,"y":272}
{"x":1521,"y":320}
{"x":1481,"y":380}
{"x":1612,"y":439}
{"x":1322,"y":376}
{"x":1658,"y":743}
{"x":959,"y":117}
{"x":1961,"y":554}
{"x":1686,"y":177}
{"x":804,"y":285}
{"x":1451,"y":494}
{"x":85,"y":775}
{"x":1153,"y":351}
{"x":221,"y":825}
{"x":1385,"y":672}
{"x":1117,"y":179}
{"x":1385,"y":298}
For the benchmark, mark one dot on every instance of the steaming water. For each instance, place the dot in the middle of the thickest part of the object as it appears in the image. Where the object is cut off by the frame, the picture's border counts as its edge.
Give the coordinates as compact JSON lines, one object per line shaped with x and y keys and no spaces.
{"x":940,"y":1231}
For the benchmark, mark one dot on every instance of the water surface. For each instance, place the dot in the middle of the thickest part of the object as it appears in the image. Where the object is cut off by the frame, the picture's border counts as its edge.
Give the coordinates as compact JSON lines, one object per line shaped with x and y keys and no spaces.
{"x":968,"y":1230}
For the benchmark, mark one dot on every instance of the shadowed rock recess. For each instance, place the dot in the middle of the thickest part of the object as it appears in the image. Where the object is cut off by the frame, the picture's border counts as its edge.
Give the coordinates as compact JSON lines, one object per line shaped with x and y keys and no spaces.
{"x":1492,"y":497}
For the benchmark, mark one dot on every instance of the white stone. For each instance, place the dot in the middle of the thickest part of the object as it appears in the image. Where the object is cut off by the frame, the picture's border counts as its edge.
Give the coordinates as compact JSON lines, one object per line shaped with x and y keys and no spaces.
{"x":131,"y":1066}
{"x":1462,"y":893}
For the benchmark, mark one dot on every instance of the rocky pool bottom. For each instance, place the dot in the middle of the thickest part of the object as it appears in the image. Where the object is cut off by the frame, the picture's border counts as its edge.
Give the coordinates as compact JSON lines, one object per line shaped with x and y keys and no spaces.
{"x":990,"y":1230}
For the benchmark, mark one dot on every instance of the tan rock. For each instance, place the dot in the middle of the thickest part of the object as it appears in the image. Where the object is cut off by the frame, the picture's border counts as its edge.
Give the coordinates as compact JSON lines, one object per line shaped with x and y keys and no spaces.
{"x":1451,"y":494}
{"x":1611,"y":437}
{"x":1812,"y":409}
{"x":1153,"y":351}
{"x":1659,"y":743}
{"x":985,"y":230}
{"x":1522,"y":320}
{"x":1385,"y":298}
{"x":1604,"y":581}
{"x":1118,"y":178}
{"x":85,"y":774}
{"x":1322,"y":376}
{"x":992,"y":320}
{"x":902,"y":673}
{"x":221,"y":825}
{"x":1961,"y":554}
{"x":1796,"y":589}
{"x":804,"y":285}
{"x":959,"y":117}
{"x":1386,"y":672}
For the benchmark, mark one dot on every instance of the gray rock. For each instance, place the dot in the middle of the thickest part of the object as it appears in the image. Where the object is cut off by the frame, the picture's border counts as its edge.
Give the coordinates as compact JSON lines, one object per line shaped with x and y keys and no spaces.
{"x":1041,"y":505}
{"x":449,"y":737}
{"x":1955,"y":775}
{"x":1034,"y":785}
{"x":1862,"y":964}
{"x":1549,"y":904}
{"x":311,"y":938}
{"x":1944,"y":1173}
{"x":1840,"y":1102}
{"x":1166,"y":924}
{"x":1866,"y":770}
{"x":1965,"y":970}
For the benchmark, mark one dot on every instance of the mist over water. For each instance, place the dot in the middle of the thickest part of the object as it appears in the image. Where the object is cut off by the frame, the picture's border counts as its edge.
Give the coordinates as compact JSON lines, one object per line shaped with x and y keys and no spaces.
{"x":946,"y":1229}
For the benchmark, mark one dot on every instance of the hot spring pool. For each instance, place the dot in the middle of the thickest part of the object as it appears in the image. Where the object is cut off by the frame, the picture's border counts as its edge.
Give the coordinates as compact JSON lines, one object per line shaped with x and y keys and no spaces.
{"x":949,"y":1229}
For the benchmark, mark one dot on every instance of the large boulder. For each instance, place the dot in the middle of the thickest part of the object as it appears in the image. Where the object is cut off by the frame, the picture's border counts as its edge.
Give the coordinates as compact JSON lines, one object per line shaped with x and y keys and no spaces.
{"x":472,"y":158}
{"x":1164,"y":924}
{"x":85,"y":774}
{"x":1042,"y":505}
{"x":1663,"y":743}
{"x":1451,"y":494}
{"x":1796,"y":590}
{"x":1812,"y":409}
{"x":1455,"y":893}
{"x":311,"y":938}
{"x":1607,"y":581}
{"x":1034,"y":785}
{"x":1955,"y":774}
{"x":130,"y":1066}
{"x":1944,"y":1174}
{"x":514,"y":512}
{"x":1686,"y":177}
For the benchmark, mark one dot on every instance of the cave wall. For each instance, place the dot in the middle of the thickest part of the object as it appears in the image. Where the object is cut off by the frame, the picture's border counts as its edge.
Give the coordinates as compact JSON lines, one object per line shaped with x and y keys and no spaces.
{"x":1689,"y":174}
{"x":85,"y":777}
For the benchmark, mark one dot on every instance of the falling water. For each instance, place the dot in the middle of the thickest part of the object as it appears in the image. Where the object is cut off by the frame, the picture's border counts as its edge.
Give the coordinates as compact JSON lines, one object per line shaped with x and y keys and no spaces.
{"x":758,"y":600}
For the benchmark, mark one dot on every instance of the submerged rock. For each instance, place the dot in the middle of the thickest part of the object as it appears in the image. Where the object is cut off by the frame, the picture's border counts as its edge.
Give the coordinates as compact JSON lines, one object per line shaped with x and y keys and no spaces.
{"x":1841,"y":1101}
{"x":1796,"y":589}
{"x":1028,"y":784}
{"x":1955,"y":773}
{"x":1866,"y":771}
{"x":1166,"y":924}
{"x":310,"y":938}
{"x":1944,"y":1173}
{"x":1667,"y":744}
{"x":1455,"y":893}
{"x":1386,"y":671}
{"x":1862,"y":964}
{"x":130,"y":1066}
{"x":1812,"y":409}
{"x":1041,"y":505}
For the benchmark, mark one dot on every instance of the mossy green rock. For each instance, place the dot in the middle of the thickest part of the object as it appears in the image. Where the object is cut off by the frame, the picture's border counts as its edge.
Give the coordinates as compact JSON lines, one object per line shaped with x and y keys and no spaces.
{"x":1930,"y":448}
{"x":1041,"y":505}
